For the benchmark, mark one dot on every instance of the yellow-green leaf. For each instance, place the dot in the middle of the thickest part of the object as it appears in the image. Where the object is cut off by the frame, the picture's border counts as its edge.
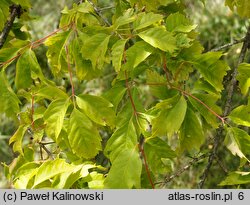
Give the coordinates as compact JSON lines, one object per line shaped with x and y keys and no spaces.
{"x":17,"y":138}
{"x":169,"y":120}
{"x":241,"y":115}
{"x":54,"y":117}
{"x":97,"y":108}
{"x":84,"y":138}
{"x":158,"y":37}
{"x":49,"y":169}
{"x":95,"y":48}
{"x":244,"y":77}
{"x":9,"y":102}
{"x":125,"y":172}
{"x":118,"y":53}
{"x":238,"y":142}
{"x":236,"y":178}
{"x":146,"y":19}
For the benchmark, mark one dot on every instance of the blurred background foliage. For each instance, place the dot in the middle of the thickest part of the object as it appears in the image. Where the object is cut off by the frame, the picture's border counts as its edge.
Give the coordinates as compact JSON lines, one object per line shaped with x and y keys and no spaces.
{"x":217,"y":26}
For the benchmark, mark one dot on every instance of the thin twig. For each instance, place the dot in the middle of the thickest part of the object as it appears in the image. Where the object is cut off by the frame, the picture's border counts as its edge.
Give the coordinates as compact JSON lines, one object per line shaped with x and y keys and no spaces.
{"x":32,"y":111}
{"x":226,"y":46}
{"x":46,"y":150}
{"x":192,"y":96}
{"x":228,"y":106}
{"x":105,"y":20}
{"x":130,"y":94}
{"x":183,"y":169}
{"x":15,"y":11}
{"x":33,"y":45}
{"x":198,"y":100}
{"x":141,"y":148}
{"x":99,"y":13}
{"x":222,"y":166}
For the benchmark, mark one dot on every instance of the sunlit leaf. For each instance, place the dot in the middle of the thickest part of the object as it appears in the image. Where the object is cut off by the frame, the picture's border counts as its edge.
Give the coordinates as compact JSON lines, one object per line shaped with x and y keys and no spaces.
{"x":158,"y":37}
{"x":137,"y":54}
{"x":118,"y":54}
{"x":125,"y":172}
{"x":123,"y":138}
{"x":9,"y":102}
{"x":24,"y":175}
{"x":212,"y":69}
{"x":169,"y":120}
{"x":56,"y":51}
{"x":177,"y":22}
{"x":238,"y":142}
{"x":244,"y":77}
{"x":241,"y":115}
{"x":235,"y":178}
{"x":54,"y":117}
{"x":17,"y":138}
{"x":94,"y":49}
{"x":49,"y":169}
{"x":84,"y":138}
{"x":243,"y":7}
{"x":146,"y":19}
{"x":97,"y":109}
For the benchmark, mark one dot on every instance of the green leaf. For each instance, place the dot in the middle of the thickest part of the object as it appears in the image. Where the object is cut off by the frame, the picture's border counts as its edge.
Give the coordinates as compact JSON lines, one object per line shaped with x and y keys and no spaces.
{"x":235,"y":178}
{"x":4,"y":13}
{"x":212,"y":69}
{"x":66,"y":179}
{"x":118,"y":53}
{"x":24,"y":175}
{"x":127,"y":17}
{"x":125,"y":172}
{"x":158,"y":37}
{"x":27,"y":68}
{"x":54,"y":117}
{"x":23,"y":73}
{"x":56,"y":53}
{"x":146,"y":19}
{"x":238,"y":142}
{"x":97,"y":181}
{"x":9,"y":102}
{"x":51,"y":92}
{"x":95,"y":48}
{"x":177,"y":22}
{"x":137,"y":54}
{"x":83,"y":66}
{"x":210,"y":101}
{"x":49,"y":169}
{"x":244,"y":77}
{"x":24,"y":3}
{"x":156,"y":150}
{"x":169,"y":120}
{"x":84,"y":138}
{"x":97,"y":109}
{"x":115,"y":94}
{"x":191,"y":133}
{"x":17,"y":138}
{"x":241,"y":115}
{"x":159,"y":91}
{"x":243,"y":7}
{"x":124,"y":138}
